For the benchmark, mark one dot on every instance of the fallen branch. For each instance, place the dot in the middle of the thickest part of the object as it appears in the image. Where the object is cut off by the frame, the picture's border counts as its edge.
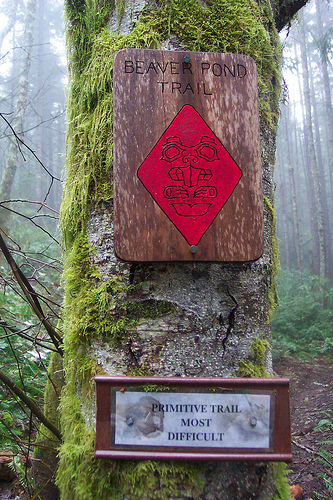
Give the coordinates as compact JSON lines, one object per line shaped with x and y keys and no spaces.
{"x":311,"y":451}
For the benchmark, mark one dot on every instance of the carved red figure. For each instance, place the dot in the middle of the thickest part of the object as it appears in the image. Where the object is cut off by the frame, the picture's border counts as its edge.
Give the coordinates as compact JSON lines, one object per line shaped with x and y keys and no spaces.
{"x":190,"y":174}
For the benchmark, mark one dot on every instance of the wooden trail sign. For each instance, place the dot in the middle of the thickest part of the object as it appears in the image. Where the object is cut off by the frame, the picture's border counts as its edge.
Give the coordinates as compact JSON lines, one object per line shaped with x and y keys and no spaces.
{"x":187,"y":171}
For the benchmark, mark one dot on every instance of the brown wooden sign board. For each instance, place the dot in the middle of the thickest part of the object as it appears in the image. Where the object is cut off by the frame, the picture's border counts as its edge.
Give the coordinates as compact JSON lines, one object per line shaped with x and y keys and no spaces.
{"x":187,"y":168}
{"x":194,"y":419}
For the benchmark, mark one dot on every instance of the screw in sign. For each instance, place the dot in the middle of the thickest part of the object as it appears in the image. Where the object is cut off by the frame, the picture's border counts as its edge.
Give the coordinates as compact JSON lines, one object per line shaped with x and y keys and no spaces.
{"x":190,"y":174}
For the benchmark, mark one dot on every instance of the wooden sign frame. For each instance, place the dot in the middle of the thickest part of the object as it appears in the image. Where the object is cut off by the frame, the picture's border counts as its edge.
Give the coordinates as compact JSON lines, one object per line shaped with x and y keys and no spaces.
{"x":280,"y":449}
{"x":187,"y":165}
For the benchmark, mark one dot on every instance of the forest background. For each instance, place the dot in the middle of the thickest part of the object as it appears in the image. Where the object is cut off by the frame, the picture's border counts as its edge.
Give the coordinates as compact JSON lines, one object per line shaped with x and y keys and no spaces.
{"x":32,"y":155}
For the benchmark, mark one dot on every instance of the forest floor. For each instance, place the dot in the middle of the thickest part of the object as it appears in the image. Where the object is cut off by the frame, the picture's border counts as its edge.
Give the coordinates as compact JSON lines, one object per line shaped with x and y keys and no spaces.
{"x":311,"y":399}
{"x":311,"y":394}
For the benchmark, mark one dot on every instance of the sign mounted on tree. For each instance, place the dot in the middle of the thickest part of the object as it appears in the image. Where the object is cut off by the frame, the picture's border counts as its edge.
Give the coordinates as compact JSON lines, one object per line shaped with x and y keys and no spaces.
{"x":194,"y":419}
{"x":187,"y":170}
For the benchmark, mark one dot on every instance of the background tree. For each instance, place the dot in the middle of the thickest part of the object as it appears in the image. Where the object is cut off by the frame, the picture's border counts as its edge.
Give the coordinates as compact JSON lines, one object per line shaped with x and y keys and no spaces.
{"x":173,"y":318}
{"x":32,"y":103}
{"x":29,"y":240}
{"x":298,"y":329}
{"x":8,"y":175}
{"x":308,"y":114}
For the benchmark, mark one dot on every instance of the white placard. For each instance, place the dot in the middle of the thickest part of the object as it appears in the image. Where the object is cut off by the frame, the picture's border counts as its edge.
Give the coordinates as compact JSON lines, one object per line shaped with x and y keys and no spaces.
{"x":192,"y":420}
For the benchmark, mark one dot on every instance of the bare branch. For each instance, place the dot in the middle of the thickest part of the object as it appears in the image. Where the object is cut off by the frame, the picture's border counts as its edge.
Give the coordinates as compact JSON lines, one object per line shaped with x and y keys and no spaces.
{"x":30,"y":404}
{"x":21,"y":142}
{"x":42,"y":203}
{"x":2,"y":205}
{"x":15,"y":331}
{"x":31,"y":296}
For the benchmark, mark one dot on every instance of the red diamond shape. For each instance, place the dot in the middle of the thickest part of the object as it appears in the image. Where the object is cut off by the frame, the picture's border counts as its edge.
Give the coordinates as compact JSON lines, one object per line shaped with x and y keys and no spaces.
{"x":190,"y":174}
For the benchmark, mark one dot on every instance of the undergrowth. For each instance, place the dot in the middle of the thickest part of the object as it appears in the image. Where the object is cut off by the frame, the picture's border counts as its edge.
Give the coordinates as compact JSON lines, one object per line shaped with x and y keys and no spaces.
{"x":303,"y":323}
{"x":326,"y":458}
{"x":24,"y":364}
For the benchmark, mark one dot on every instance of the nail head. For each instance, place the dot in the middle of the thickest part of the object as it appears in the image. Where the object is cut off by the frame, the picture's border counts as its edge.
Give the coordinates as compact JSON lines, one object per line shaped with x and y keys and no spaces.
{"x":253,"y":421}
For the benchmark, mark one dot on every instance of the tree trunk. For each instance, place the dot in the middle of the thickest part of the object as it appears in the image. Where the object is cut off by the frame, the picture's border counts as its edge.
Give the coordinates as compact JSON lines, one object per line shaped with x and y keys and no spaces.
{"x":321,"y":172}
{"x":41,"y":104}
{"x":291,"y":170}
{"x":283,"y":195}
{"x":312,"y":155}
{"x":7,"y":179}
{"x":327,"y":89}
{"x":183,"y":319}
{"x":11,"y":15}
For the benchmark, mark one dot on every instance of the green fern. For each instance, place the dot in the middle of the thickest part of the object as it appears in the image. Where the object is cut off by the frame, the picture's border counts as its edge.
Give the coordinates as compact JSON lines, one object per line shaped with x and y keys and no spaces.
{"x":326,"y":424}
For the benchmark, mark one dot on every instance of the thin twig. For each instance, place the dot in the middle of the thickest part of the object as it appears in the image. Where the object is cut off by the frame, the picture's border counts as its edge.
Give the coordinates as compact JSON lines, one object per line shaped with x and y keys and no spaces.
{"x":20,"y":141}
{"x":15,"y":331}
{"x":42,"y":203}
{"x":31,"y":220}
{"x":311,"y":451}
{"x":31,"y":296}
{"x":30,"y":404}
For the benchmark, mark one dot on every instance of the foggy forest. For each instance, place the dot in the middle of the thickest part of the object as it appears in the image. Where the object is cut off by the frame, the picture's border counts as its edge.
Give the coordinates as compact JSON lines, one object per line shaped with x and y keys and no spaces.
{"x":33,"y":80}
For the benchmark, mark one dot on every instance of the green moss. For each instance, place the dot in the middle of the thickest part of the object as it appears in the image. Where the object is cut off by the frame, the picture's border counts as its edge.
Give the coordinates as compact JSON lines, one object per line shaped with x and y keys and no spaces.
{"x":47,"y":445}
{"x":255,"y":365}
{"x":273,"y":296}
{"x":142,"y":371}
{"x":149,"y":308}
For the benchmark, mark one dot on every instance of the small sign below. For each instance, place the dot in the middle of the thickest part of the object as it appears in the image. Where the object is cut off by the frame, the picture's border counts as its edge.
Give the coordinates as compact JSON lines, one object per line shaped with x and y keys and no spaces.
{"x":187,"y":163}
{"x":194,"y":419}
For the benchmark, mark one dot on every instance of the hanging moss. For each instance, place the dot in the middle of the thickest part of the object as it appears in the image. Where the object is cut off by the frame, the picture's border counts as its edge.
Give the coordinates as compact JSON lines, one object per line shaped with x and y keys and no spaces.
{"x":273,"y":296}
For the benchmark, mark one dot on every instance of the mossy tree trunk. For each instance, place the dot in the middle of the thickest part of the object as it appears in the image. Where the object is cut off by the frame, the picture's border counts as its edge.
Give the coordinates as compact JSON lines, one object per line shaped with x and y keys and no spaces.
{"x":185,"y":319}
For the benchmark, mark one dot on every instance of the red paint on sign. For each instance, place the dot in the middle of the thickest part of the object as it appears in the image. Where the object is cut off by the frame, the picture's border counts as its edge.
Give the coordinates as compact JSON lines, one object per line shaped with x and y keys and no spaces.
{"x":190,"y":174}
